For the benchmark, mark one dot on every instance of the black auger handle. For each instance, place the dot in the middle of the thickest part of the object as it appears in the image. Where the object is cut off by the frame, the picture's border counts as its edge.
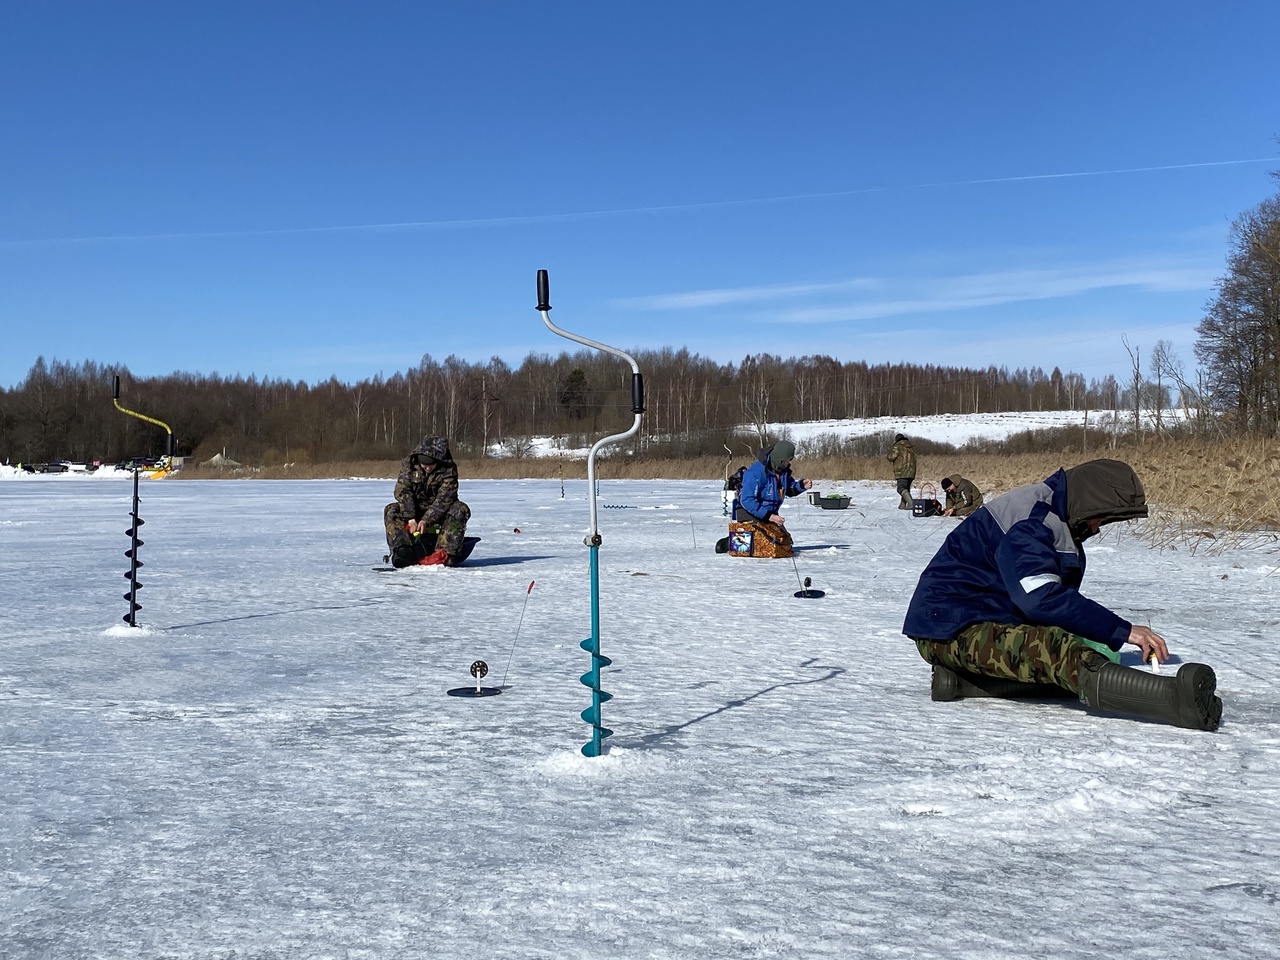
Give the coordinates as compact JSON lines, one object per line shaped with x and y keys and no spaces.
{"x":544,"y":291}
{"x":637,"y":393}
{"x":115,"y":387}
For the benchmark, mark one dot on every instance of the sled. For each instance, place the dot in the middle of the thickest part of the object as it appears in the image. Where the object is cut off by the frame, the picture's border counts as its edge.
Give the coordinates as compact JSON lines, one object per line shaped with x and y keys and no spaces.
{"x":468,"y":544}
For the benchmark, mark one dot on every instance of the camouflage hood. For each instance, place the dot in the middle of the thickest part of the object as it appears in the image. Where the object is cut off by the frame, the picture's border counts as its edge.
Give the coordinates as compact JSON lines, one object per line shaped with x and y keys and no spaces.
{"x":434,"y":448}
{"x":1103,"y":488}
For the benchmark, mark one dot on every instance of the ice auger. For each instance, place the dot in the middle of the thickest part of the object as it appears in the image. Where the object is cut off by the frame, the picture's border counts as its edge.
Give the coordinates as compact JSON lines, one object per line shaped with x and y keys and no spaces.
{"x":592,"y":644}
{"x":131,"y":618}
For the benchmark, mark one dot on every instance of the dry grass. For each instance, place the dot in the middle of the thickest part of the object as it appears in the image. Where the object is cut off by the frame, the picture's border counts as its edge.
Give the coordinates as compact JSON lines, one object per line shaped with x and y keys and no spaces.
{"x":1202,"y":493}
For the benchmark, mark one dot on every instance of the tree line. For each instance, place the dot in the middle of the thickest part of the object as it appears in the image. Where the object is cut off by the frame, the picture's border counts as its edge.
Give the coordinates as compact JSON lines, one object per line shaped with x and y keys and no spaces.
{"x":695,"y":405}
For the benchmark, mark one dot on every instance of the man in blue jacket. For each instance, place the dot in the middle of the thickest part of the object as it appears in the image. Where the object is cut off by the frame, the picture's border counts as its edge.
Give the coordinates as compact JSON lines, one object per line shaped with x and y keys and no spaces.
{"x":767,"y":482}
{"x":998,"y":610}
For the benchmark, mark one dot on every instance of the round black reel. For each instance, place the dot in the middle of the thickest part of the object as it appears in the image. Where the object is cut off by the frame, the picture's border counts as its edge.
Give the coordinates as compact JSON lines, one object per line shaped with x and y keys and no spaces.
{"x":809,"y":592}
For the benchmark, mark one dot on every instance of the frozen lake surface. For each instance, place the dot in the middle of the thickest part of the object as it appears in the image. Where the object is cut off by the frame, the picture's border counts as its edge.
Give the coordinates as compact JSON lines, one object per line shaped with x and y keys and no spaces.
{"x":270,"y":767}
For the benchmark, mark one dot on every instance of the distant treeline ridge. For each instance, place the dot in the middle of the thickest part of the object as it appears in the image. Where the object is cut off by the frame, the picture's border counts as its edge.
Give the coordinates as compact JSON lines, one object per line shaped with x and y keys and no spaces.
{"x":694,"y":405}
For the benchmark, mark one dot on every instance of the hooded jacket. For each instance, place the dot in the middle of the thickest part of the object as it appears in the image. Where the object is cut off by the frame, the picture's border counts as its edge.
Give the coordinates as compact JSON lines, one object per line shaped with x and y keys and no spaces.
{"x":764,"y":488}
{"x":1016,"y":559}
{"x":903,"y":458}
{"x":423,"y":494}
{"x":963,"y":498}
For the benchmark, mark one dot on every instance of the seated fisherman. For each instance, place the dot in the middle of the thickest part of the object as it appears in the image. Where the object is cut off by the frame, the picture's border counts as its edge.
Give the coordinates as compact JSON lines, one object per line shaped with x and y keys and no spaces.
{"x":767,"y":482}
{"x":962,"y":496}
{"x":427,"y":524}
{"x":998,"y":611}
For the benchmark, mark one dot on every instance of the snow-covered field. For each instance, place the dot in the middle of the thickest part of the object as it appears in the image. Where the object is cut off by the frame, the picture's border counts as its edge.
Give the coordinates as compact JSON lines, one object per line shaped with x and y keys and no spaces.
{"x":953,"y":428}
{"x":959,"y":428}
{"x":270,"y":767}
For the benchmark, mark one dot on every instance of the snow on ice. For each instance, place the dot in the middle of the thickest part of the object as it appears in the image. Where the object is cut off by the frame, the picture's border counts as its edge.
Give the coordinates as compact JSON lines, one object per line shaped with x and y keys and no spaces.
{"x":269,"y":767}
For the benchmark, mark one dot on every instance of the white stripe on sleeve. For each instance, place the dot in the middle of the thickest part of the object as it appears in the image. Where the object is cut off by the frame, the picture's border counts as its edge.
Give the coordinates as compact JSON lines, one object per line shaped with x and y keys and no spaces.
{"x":1039,"y":580}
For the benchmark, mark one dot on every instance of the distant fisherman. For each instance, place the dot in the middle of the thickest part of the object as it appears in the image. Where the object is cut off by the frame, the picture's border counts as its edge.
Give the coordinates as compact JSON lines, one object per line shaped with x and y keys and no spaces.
{"x":427,"y":524}
{"x":998,"y":611}
{"x":903,"y":458}
{"x":767,"y":482}
{"x":963,"y":498}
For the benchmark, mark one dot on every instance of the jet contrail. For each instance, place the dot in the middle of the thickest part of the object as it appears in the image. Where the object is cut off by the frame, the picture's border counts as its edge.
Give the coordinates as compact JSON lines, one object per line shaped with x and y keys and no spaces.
{"x":620,"y":211}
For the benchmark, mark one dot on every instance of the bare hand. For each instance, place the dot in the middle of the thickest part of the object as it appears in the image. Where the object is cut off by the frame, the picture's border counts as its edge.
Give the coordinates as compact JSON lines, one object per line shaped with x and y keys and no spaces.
{"x":949,"y":511}
{"x":1149,"y":642}
{"x":807,"y":484}
{"x":777,"y":518}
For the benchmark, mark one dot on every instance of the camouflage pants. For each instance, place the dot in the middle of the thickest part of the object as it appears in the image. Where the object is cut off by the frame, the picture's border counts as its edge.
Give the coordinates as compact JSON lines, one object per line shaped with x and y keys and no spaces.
{"x":1015,"y":651}
{"x":958,"y":509}
{"x":449,"y":533}
{"x":904,"y":491}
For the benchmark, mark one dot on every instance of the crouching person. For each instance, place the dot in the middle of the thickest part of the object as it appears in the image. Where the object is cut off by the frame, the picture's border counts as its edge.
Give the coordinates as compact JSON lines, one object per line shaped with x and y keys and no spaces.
{"x":765,"y":484}
{"x":427,"y":524}
{"x":963,"y":498}
{"x":998,"y":611}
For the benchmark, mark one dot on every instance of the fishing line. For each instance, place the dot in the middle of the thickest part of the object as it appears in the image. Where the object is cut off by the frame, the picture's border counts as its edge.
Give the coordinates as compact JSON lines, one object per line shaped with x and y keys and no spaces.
{"x":513,"y":642}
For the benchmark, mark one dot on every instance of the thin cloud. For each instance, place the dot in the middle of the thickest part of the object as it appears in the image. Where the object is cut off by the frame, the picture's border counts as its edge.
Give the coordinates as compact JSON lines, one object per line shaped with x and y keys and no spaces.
{"x":697,"y":299}
{"x":451,"y":224}
{"x":1015,"y":286}
{"x":942,"y":294}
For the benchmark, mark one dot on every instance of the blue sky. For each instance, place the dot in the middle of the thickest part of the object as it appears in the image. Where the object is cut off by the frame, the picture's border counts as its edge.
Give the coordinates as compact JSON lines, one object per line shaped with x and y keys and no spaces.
{"x":304,"y":190}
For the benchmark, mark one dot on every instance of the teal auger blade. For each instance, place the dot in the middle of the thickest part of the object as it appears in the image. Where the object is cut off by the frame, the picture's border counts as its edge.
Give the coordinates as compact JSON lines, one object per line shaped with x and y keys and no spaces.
{"x":592,"y":716}
{"x":592,"y":749}
{"x":591,"y":679}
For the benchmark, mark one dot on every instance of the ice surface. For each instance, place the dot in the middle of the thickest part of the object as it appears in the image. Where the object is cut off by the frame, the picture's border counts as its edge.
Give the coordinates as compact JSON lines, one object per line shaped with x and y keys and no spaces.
{"x":270,"y":767}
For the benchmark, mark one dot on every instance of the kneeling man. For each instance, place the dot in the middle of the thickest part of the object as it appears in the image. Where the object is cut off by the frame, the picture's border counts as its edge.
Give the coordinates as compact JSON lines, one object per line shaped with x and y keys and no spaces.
{"x":998,"y":610}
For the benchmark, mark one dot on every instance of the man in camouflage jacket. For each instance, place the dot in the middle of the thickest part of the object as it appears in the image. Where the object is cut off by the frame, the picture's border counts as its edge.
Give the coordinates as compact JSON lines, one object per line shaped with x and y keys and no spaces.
{"x":427,"y":524}
{"x":962,"y":496}
{"x":903,"y":458}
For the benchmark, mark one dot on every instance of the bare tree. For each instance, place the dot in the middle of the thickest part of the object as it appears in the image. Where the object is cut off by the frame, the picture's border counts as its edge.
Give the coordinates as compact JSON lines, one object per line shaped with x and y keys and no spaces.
{"x":1238,"y":341}
{"x":1135,"y":358}
{"x":754,"y":393}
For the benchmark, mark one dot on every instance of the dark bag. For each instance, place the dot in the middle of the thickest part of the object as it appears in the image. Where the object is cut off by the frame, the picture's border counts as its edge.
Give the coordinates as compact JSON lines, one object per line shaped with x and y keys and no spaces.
{"x":926,"y":506}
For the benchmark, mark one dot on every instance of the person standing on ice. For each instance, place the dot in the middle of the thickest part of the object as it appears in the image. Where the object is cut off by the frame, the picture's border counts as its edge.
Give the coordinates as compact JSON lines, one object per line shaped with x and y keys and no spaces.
{"x":766,"y":483}
{"x":427,"y":524}
{"x":998,"y":611}
{"x":903,"y":458}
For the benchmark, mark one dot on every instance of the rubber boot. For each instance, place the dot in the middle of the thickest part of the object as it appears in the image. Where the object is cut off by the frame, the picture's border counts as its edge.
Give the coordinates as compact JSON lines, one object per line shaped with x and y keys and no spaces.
{"x":906,"y":503}
{"x":404,"y":550}
{"x":1185,"y":699}
{"x":950,"y":684}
